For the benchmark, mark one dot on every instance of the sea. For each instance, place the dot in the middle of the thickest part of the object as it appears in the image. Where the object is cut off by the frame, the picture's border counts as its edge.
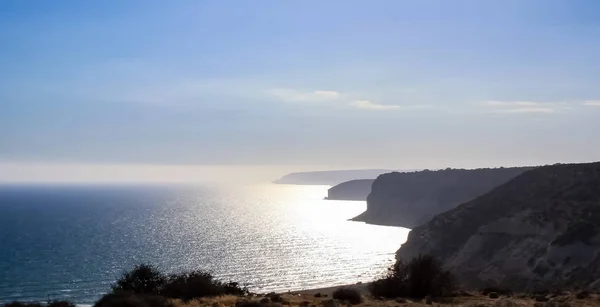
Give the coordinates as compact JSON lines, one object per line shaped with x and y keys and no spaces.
{"x":73,"y":241}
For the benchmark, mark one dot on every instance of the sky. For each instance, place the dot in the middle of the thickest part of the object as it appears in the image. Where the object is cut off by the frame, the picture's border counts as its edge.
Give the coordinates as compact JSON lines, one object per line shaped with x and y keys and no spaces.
{"x":156,"y":89}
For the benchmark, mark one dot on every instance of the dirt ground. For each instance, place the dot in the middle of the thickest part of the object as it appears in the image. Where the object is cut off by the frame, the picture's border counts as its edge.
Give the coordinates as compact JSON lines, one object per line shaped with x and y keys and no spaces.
{"x":468,"y":299}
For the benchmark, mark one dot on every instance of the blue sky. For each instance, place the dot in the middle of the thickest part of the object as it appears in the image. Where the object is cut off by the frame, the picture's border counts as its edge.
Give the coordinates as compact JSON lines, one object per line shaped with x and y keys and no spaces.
{"x":326,"y":84}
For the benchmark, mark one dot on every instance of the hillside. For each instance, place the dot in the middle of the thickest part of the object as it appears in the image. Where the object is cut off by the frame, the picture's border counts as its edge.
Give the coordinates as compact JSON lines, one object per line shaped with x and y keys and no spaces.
{"x":410,"y":199}
{"x":539,"y":230}
{"x":351,"y":190}
{"x":329,"y":177}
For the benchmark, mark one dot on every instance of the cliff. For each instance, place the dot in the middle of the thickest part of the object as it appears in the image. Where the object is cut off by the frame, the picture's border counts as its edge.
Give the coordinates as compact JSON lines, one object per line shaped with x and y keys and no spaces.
{"x":538,"y":231}
{"x":351,"y":190}
{"x":410,"y":199}
{"x":329,"y":177}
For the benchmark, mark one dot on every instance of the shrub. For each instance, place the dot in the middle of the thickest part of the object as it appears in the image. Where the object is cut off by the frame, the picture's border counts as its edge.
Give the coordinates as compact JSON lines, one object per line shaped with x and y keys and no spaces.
{"x":132,"y":300}
{"x":234,"y":288}
{"x":350,"y":295}
{"x":196,"y":284}
{"x":423,"y":276}
{"x":191,"y":285}
{"x":500,"y":291}
{"x":248,"y":304}
{"x":147,"y":279}
{"x":582,"y":294}
{"x":143,"y":279}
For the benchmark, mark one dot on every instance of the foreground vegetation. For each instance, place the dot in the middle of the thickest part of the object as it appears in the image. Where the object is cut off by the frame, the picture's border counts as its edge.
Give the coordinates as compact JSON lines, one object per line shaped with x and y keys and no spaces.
{"x":304,"y":299}
{"x":421,"y":281}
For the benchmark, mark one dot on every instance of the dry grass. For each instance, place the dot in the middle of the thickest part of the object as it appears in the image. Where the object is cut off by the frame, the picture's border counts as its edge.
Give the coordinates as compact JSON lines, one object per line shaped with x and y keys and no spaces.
{"x":303,"y":299}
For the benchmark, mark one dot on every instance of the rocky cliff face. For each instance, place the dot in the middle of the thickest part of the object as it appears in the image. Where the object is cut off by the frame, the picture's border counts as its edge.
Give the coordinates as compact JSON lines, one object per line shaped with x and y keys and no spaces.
{"x":538,"y":231}
{"x":351,"y":190}
{"x":410,"y":199}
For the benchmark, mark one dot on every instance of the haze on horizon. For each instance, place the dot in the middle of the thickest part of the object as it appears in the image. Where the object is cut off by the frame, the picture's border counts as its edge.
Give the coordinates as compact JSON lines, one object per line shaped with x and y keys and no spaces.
{"x":194,"y":90}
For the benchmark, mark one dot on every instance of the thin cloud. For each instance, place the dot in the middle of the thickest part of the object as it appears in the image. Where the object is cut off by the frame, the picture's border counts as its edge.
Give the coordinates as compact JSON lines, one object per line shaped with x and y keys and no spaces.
{"x":292,"y":95}
{"x":336,"y":98}
{"x":527,"y":110}
{"x":495,"y":103}
{"x":592,"y":103}
{"x":368,"y":105}
{"x":516,"y":107}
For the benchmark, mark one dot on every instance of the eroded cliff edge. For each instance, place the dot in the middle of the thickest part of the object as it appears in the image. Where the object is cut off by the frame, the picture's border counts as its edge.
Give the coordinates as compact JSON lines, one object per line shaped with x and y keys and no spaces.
{"x":412,"y":198}
{"x":540,"y":230}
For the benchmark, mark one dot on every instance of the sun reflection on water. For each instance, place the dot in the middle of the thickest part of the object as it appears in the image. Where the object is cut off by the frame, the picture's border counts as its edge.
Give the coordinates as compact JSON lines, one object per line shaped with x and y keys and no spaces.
{"x":273,"y":237}
{"x":312,"y":241}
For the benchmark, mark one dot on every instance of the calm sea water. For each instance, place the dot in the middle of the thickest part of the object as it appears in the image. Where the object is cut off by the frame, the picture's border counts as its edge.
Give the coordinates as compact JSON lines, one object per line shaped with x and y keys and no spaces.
{"x":72,"y":242}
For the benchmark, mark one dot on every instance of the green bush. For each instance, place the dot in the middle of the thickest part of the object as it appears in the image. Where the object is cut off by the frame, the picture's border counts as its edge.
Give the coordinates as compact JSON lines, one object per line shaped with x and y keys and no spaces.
{"x":191,"y":285}
{"x":350,"y":295}
{"x":147,"y":279}
{"x":143,"y":279}
{"x":421,"y":277}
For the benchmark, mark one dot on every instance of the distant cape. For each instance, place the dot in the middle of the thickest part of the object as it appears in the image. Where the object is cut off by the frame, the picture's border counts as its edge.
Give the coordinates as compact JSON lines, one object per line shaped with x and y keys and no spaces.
{"x":329,"y":177}
{"x":357,"y":189}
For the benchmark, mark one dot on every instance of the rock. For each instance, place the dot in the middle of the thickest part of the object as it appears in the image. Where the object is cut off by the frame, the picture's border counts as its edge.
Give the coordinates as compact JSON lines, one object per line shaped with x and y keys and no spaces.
{"x":304,"y":304}
{"x":401,"y":301}
{"x":538,"y":304}
{"x":494,"y":295}
{"x":330,"y":303}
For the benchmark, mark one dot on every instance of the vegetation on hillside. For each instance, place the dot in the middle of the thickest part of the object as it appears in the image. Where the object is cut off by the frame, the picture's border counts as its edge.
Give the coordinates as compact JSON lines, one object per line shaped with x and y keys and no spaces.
{"x":148,"y":279}
{"x":421,"y":277}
